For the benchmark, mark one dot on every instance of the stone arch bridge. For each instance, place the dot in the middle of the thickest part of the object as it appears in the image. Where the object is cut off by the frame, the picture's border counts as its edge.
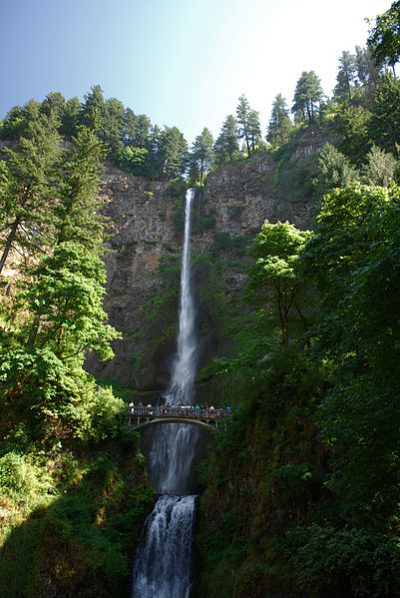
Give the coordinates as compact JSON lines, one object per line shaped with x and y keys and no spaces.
{"x":207,"y":418}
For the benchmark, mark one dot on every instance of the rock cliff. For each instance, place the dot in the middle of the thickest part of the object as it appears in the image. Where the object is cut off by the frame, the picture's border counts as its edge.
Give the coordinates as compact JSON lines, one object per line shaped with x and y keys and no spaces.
{"x":146,"y":221}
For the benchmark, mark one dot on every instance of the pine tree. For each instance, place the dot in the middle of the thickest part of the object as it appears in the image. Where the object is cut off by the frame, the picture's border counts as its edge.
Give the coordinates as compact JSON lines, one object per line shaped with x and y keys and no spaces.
{"x":242,"y":114}
{"x":173,"y":152}
{"x":203,"y":153}
{"x":32,"y":165}
{"x":280,"y":124}
{"x":130,"y":126}
{"x":226,"y":146}
{"x":143,"y":128}
{"x":54,"y":105}
{"x":77,"y":214}
{"x":384,"y":38}
{"x":70,"y":117}
{"x":345,"y":77}
{"x":254,"y":129}
{"x":307,"y":95}
{"x":112,"y":126}
{"x":384,"y":125}
{"x":93,"y":108}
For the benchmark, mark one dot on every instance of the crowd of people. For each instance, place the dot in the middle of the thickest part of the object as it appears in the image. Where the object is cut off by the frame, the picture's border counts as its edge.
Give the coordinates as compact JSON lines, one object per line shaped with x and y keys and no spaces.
{"x":178,"y":410}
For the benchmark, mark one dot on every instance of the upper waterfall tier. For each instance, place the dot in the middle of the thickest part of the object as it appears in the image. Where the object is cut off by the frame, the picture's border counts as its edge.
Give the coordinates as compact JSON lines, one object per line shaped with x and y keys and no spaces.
{"x":184,"y":366}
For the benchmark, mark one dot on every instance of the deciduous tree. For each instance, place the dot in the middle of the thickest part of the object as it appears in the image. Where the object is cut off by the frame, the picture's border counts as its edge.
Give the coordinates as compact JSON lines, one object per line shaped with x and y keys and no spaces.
{"x":274,"y":283}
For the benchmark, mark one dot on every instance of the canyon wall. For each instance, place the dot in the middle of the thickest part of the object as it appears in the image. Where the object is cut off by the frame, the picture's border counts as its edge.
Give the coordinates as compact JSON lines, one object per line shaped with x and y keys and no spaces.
{"x":146,"y":226}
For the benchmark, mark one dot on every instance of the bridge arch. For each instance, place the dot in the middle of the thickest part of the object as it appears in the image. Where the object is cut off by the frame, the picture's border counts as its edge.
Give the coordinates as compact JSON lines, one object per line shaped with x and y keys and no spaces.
{"x":176,"y":420}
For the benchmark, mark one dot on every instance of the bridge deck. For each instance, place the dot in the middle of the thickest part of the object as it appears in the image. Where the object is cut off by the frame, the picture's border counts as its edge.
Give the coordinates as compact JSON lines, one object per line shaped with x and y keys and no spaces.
{"x":211,"y":416}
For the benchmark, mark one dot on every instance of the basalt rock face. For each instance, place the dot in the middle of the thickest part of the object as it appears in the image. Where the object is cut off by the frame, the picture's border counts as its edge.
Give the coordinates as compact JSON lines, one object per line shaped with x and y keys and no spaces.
{"x":242,"y":195}
{"x":145,"y":233}
{"x":140,"y":231}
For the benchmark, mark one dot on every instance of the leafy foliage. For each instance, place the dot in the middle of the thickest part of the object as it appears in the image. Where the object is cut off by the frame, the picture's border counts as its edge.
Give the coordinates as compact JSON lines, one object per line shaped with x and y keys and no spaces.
{"x":75,"y":508}
{"x":384,"y":37}
{"x":274,"y":281}
{"x":335,"y":169}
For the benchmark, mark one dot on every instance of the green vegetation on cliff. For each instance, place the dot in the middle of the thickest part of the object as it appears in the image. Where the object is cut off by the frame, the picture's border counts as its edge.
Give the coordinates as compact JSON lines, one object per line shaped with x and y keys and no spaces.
{"x":302,"y":490}
{"x":73,"y":490}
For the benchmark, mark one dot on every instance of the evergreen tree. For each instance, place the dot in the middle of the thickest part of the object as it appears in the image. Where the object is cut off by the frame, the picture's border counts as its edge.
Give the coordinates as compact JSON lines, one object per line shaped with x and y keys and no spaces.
{"x":384,"y":38}
{"x":203,"y":153}
{"x":143,"y":128}
{"x":345,"y":77}
{"x":380,"y":169}
{"x":307,"y":96}
{"x":77,"y":213}
{"x":112,"y":126}
{"x":384,"y":126}
{"x":280,"y":124}
{"x":54,"y":105}
{"x":93,"y":108}
{"x":226,"y":146}
{"x":367,"y":70}
{"x":71,"y":116}
{"x":154,"y":156}
{"x":335,"y":170}
{"x":254,"y":128}
{"x":173,"y":152}
{"x":32,"y":165}
{"x":242,"y":115}
{"x":13,"y":125}
{"x":352,"y":127}
{"x":17,"y":120}
{"x":130,"y":126}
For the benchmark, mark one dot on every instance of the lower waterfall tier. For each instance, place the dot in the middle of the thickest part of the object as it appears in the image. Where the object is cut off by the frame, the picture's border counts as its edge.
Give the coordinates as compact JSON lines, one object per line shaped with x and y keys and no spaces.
{"x":163,"y":563}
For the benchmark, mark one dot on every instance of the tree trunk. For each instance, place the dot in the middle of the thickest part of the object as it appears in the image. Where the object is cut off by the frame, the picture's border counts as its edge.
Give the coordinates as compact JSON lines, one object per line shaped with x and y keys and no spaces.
{"x":13,"y":231}
{"x":34,"y":330}
{"x":10,"y":240}
{"x":248,"y":146}
{"x":201,"y":172}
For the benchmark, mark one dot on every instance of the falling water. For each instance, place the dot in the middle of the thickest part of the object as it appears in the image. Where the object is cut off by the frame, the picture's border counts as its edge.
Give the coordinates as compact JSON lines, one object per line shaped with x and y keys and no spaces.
{"x":163,"y":561}
{"x":184,"y":367}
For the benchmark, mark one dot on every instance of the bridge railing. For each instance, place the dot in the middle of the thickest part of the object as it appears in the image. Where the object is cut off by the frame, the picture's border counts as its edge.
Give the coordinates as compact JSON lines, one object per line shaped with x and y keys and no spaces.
{"x":179,"y":411}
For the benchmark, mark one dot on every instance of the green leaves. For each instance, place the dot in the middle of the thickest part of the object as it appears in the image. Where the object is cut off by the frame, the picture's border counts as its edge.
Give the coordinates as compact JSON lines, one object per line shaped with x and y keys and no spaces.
{"x":354,"y":256}
{"x":274,"y":282}
{"x":54,"y":399}
{"x":66,"y":303}
{"x":383,"y":39}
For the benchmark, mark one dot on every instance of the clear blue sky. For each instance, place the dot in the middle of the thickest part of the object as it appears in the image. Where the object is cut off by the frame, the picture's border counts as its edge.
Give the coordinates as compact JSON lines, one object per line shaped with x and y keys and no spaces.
{"x":181,"y":62}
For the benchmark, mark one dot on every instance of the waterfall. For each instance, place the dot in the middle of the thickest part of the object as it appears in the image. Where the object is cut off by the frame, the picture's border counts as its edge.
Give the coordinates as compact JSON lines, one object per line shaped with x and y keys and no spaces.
{"x":163,"y":561}
{"x":184,"y":367}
